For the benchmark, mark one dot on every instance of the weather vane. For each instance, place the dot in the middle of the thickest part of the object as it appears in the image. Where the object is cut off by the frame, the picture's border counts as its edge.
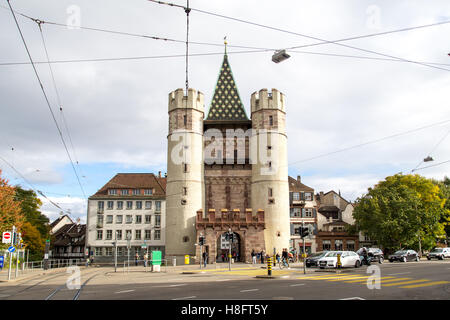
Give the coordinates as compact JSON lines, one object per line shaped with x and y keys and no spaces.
{"x":225,"y":43}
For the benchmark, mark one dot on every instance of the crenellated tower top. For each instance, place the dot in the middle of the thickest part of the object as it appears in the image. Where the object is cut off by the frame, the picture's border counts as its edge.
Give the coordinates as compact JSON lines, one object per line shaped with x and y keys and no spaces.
{"x":267,"y":100}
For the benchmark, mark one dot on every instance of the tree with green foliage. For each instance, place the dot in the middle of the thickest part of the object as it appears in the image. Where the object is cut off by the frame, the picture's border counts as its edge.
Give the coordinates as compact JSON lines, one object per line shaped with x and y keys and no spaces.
{"x":403,"y":211}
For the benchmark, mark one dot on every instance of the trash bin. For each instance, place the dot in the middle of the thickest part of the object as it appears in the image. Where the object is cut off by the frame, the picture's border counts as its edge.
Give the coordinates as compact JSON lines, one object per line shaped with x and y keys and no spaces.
{"x":186,"y":259}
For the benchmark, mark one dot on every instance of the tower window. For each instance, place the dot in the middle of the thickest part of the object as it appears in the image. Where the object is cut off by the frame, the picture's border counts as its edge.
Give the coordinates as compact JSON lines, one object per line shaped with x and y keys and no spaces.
{"x":185,"y":120}
{"x":270,"y":120}
{"x":183,"y":201}
{"x":184,"y":191}
{"x":270,"y":193}
{"x":185,"y":167}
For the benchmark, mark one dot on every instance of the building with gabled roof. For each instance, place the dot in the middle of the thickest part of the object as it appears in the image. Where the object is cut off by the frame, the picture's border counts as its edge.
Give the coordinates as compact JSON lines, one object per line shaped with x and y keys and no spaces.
{"x":129,"y":206}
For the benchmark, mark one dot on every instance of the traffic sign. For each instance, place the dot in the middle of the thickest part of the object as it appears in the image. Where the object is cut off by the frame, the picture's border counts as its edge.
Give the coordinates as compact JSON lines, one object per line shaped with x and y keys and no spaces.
{"x":2,"y":259}
{"x":11,"y":249}
{"x":6,"y":237}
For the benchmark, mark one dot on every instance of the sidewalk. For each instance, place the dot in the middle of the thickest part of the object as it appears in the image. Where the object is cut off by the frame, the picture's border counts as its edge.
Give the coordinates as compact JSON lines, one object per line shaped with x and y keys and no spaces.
{"x":27,"y":274}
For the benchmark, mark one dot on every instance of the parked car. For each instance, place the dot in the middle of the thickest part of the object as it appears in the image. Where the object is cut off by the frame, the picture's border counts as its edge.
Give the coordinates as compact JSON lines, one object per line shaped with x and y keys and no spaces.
{"x":311,"y":260}
{"x":375,"y":254}
{"x":348,"y":259}
{"x":439,"y":253}
{"x":404,"y":256}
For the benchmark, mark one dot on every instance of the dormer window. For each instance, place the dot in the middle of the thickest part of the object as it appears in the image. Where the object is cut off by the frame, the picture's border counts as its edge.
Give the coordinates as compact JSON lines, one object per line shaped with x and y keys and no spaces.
{"x":136,"y":192}
{"x":124,"y":192}
{"x":112,"y":192}
{"x":148,"y":192}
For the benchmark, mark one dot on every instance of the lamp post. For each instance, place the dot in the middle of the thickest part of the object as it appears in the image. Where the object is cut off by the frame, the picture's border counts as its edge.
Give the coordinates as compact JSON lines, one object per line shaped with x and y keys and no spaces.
{"x":115,"y":252}
{"x":230,"y":241}
{"x":128,"y":250}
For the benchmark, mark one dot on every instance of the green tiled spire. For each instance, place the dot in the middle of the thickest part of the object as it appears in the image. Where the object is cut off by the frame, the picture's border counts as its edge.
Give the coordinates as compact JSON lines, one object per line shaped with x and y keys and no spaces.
{"x":226,"y":104}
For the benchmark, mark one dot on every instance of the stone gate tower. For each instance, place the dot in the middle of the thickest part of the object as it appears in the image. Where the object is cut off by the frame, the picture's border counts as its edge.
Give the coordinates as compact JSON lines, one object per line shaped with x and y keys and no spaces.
{"x":236,"y":181}
{"x":185,"y":187}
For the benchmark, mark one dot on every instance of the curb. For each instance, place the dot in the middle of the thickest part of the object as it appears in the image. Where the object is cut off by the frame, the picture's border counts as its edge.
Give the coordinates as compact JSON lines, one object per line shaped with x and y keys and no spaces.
{"x":267,"y":277}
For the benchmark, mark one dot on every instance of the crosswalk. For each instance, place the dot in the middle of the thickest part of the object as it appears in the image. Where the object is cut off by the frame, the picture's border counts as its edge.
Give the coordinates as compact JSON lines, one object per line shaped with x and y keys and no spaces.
{"x":389,"y":281}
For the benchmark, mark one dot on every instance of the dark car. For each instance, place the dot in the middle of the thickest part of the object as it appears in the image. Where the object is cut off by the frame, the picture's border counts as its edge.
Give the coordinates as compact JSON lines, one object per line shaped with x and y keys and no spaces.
{"x":313,"y":258}
{"x":375,"y":254}
{"x":404,"y":256}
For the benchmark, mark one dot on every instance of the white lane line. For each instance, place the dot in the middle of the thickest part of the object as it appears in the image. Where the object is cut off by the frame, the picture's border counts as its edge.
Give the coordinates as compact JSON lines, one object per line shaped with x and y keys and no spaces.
{"x":223,"y":280}
{"x":171,"y":285}
{"x":393,"y":274}
{"x":353,"y":298}
{"x":125,"y":291}
{"x":184,"y":298}
{"x":296,"y":285}
{"x":249,"y":290}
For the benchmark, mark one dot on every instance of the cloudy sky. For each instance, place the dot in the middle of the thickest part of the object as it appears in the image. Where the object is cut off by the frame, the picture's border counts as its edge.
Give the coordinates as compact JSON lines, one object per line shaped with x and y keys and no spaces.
{"x":116,"y":110}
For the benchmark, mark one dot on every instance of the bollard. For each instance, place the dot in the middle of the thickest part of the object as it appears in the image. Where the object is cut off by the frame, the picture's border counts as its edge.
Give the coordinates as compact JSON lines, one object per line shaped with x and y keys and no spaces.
{"x":338,"y":264}
{"x":269,"y":266}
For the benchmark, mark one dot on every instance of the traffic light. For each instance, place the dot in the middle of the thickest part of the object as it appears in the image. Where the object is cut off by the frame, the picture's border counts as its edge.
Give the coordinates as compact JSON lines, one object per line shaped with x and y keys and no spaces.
{"x":305,"y":232}
{"x":201,"y":241}
{"x":227,"y":236}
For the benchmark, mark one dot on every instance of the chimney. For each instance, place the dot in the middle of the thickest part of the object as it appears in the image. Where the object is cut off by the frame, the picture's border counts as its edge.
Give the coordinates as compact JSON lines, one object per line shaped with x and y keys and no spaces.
{"x":299,"y":179}
{"x":159,"y":174}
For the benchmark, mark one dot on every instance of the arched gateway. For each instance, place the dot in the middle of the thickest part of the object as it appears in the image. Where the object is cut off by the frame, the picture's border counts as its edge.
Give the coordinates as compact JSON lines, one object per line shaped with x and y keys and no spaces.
{"x":247,"y":227}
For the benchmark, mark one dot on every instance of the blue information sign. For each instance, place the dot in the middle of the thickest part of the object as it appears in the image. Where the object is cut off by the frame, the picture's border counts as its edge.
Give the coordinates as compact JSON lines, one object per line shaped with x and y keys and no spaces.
{"x":11,"y":249}
{"x":1,"y":261}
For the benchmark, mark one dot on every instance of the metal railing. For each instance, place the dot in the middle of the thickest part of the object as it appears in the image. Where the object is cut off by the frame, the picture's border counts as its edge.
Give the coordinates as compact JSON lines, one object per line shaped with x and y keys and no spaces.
{"x":139,"y":265}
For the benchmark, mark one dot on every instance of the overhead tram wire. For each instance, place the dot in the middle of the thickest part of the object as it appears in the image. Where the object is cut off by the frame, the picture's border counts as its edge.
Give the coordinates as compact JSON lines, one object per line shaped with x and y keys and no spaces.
{"x":58,"y":97}
{"x":432,"y":150}
{"x":30,"y":184}
{"x":433,"y":165}
{"x":335,"y":42}
{"x":371,"y":142}
{"x":46,"y":98}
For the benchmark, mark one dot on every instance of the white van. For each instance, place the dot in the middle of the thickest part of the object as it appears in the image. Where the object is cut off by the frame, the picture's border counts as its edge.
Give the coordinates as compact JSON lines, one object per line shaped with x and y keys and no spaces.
{"x":439,"y":253}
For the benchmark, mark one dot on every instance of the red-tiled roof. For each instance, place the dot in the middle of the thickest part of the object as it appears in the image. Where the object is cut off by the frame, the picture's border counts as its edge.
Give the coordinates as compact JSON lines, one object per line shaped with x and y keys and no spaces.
{"x":135,"y":181}
{"x":297,"y":186}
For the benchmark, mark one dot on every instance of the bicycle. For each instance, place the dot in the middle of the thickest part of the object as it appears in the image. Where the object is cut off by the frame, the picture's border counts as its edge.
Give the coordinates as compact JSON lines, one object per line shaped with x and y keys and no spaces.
{"x":283,"y":263}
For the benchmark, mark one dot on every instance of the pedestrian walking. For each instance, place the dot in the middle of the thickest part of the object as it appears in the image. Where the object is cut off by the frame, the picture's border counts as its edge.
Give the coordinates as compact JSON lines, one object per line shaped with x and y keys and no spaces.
{"x":145,"y":259}
{"x":262,"y":256}
{"x":253,"y":256}
{"x":205,"y":258}
{"x":87,"y":262}
{"x":136,"y":259}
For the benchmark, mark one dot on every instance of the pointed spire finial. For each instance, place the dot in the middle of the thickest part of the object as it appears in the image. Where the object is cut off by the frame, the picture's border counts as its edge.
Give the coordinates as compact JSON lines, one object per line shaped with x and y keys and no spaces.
{"x":225,"y":43}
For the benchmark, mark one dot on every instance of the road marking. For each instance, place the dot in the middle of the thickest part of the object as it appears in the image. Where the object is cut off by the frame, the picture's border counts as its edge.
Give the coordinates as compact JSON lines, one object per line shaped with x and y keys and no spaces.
{"x":296,"y":285}
{"x":365,"y":280}
{"x":353,"y":298}
{"x":223,"y":280}
{"x":184,"y":298}
{"x":404,"y":282}
{"x":393,"y":274}
{"x":425,"y":284}
{"x":347,"y":278}
{"x":249,"y":290}
{"x":125,"y":291}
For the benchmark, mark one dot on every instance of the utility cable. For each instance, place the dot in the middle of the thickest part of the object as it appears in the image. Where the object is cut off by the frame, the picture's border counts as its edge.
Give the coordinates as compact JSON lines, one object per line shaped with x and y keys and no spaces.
{"x":300,"y":35}
{"x":46,"y":98}
{"x":432,"y":150}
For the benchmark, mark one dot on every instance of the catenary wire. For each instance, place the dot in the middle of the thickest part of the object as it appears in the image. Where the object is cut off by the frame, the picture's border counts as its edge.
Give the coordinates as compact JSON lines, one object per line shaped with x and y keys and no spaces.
{"x":46,"y":98}
{"x":300,"y":35}
{"x":433,"y":149}
{"x":434,"y":165}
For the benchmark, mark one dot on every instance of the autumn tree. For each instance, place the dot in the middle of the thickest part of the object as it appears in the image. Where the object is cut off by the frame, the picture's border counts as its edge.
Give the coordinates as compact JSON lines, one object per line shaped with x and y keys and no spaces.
{"x":10,"y":208}
{"x":402,"y":211}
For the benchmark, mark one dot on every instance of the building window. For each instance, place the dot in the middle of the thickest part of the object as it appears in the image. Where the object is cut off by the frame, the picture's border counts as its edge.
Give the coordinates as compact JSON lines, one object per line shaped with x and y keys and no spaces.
{"x":157,"y":235}
{"x":119,"y":219}
{"x":350,"y":245}
{"x":157,"y":220}
{"x":128,"y":235}
{"x":148,"y":219}
{"x":98,"y":251}
{"x":338,"y":245}
{"x":120,"y":251}
{"x":138,"y":219}
{"x":99,"y":234}
{"x":109,"y":219}
{"x":308,"y":213}
{"x":100,"y":221}
{"x":296,"y":213}
{"x":308,"y":196}
{"x":296,"y":196}
{"x":270,"y":120}
{"x":184,"y":191}
{"x":136,"y":192}
{"x":137,"y":234}
{"x":148,"y":204}
{"x":109,"y":251}
{"x":185,"y":239}
{"x":101,"y":205}
{"x":185,"y":120}
{"x":108,"y":234}
{"x":124,"y":192}
{"x":129,"y":219}
{"x":270,"y":165}
{"x":270,"y":193}
{"x":139,"y":205}
{"x":185,"y":167}
{"x":326,"y":245}
{"x":110,"y":205}
{"x":118,"y":234}
{"x":148,"y":192}
{"x":129,"y":205}
{"x":158,"y":206}
{"x":119,"y":205}
{"x":112,"y":192}
{"x":147,"y":234}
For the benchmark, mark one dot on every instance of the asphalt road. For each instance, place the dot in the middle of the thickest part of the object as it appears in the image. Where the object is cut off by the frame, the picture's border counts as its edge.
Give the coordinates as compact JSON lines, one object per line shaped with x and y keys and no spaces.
{"x":399,"y":281}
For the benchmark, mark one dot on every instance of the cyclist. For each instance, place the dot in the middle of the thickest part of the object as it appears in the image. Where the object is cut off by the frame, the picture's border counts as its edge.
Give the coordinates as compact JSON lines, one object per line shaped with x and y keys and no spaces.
{"x":285,"y":257}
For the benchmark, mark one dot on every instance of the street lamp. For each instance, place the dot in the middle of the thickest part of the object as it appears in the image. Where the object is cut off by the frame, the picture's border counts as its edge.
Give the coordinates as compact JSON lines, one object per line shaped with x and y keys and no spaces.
{"x":128,"y":249}
{"x":279,"y":56}
{"x":230,"y":241}
{"x":115,"y":252}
